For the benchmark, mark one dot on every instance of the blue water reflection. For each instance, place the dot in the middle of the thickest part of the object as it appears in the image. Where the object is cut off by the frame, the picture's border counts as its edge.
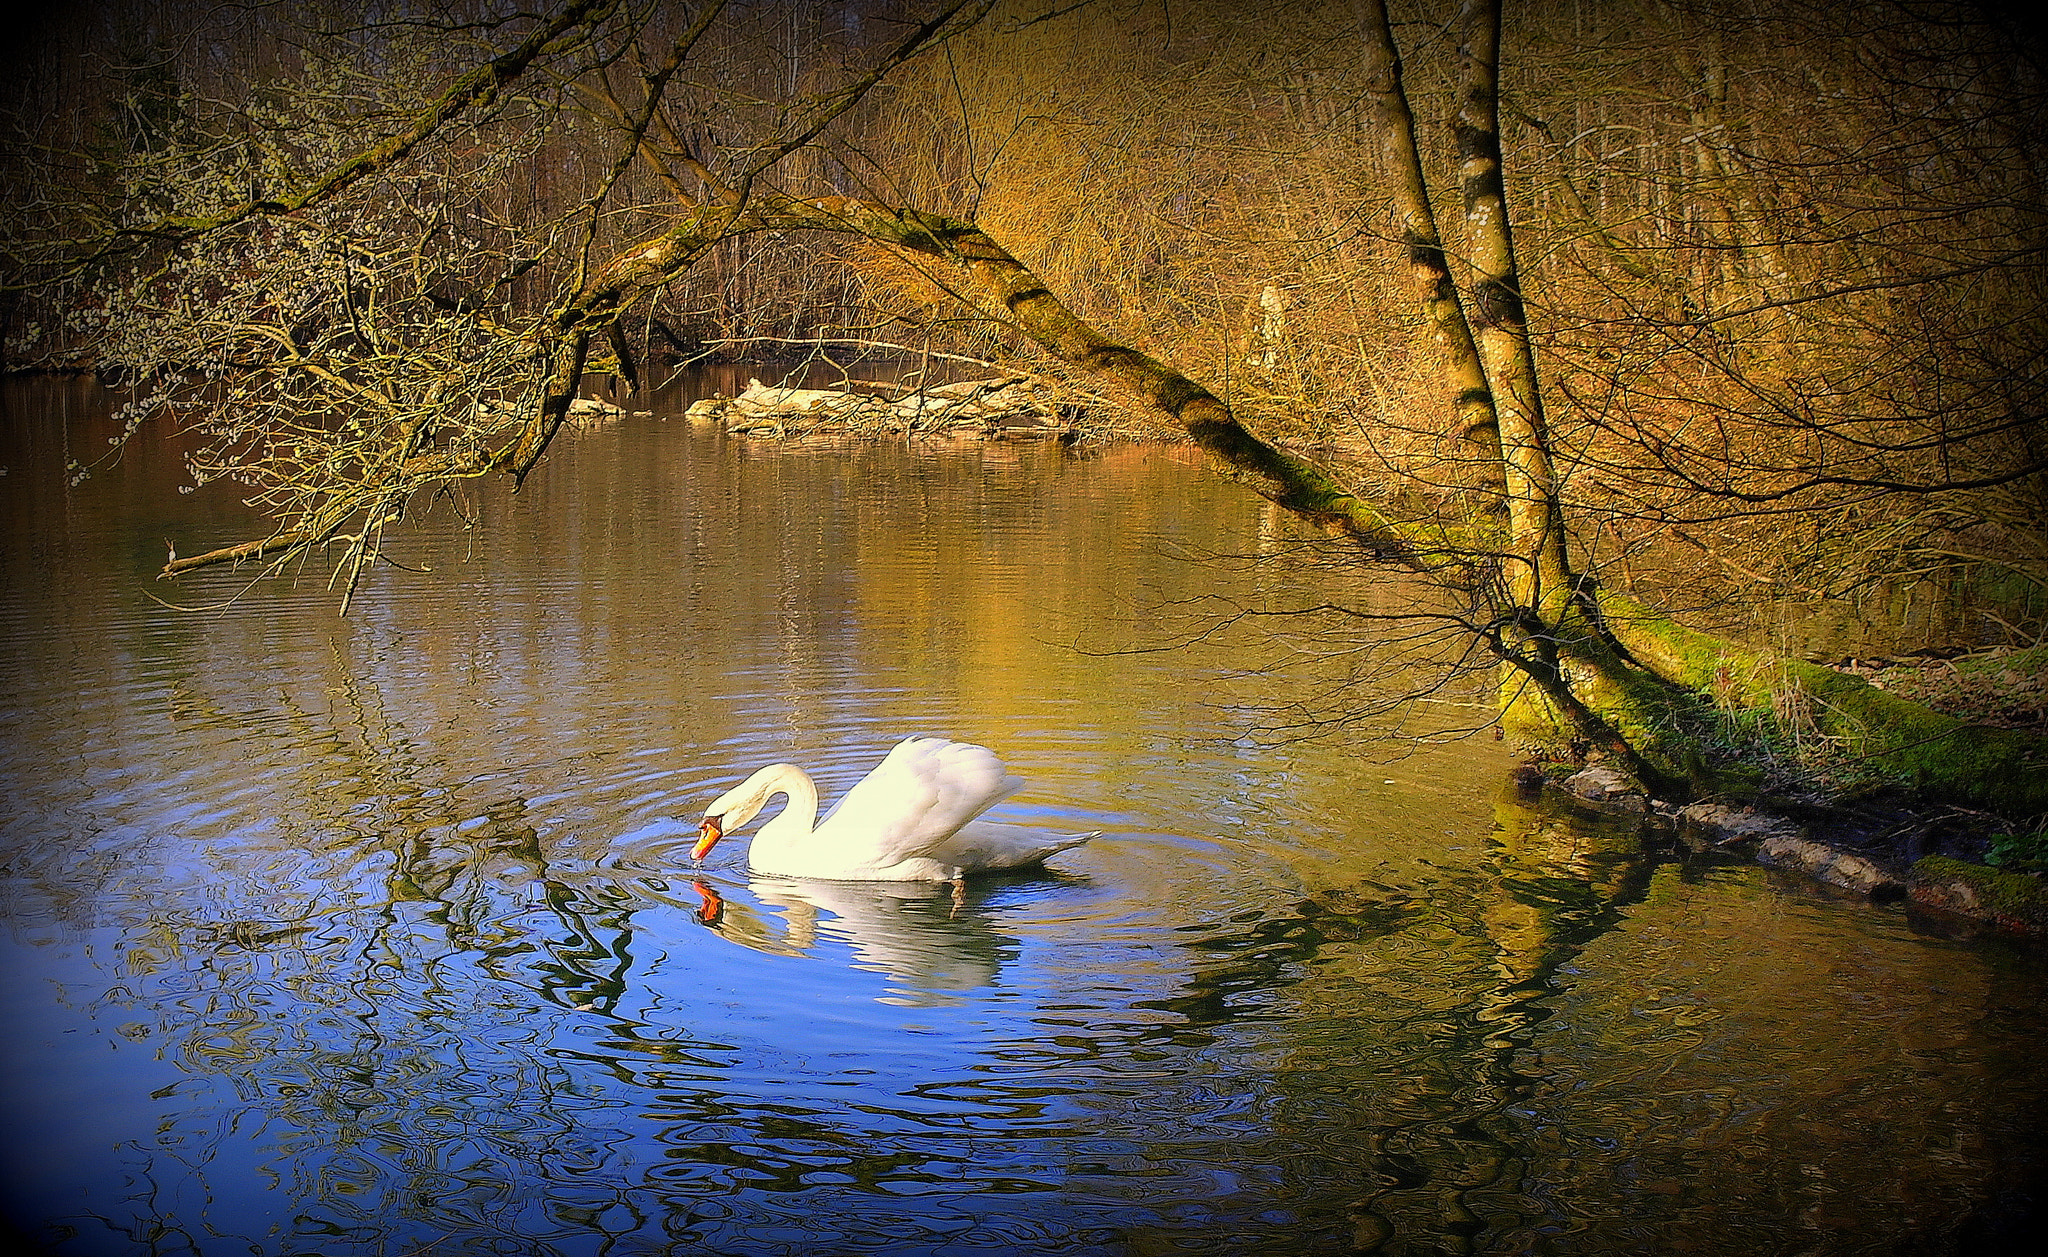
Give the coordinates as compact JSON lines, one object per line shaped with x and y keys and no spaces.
{"x":379,"y":935}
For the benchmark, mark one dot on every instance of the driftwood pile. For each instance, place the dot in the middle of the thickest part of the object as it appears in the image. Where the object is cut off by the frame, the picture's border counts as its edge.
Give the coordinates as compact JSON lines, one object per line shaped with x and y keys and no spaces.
{"x":1001,"y":409}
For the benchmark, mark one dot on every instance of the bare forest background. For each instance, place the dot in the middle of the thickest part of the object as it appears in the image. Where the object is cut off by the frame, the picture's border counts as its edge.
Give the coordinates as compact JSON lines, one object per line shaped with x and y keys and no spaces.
{"x":1782,"y":265}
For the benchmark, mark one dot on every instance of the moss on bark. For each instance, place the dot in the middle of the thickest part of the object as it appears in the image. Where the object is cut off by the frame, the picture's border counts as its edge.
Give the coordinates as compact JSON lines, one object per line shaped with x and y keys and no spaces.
{"x":2015,"y":901}
{"x":1937,"y":756}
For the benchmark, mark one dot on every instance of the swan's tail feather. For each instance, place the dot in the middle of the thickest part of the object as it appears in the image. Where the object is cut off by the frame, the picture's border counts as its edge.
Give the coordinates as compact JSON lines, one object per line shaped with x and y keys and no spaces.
{"x":1068,"y":844}
{"x":1056,"y":846}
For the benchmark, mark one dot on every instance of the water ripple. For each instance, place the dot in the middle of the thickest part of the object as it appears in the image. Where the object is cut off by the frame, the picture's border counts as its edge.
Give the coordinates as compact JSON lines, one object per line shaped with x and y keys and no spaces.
{"x":379,"y":934}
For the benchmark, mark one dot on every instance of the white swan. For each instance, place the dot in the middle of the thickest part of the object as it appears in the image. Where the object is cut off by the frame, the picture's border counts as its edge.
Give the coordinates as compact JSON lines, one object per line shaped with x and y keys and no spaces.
{"x":911,"y":819}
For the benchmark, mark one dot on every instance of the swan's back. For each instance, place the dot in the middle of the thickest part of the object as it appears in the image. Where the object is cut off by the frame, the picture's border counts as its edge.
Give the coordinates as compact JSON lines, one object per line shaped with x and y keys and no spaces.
{"x":922,"y":793}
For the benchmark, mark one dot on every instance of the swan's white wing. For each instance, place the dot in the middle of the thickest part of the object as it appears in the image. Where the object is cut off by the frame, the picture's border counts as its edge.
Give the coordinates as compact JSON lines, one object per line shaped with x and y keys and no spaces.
{"x":916,"y":798}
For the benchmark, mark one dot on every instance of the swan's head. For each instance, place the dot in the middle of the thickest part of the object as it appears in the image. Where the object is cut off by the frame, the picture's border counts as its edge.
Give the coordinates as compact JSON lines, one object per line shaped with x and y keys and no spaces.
{"x":742,"y":803}
{"x":708,"y":834}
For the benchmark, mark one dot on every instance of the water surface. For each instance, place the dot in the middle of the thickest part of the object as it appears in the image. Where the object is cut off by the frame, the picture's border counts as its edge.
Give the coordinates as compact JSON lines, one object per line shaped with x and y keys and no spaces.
{"x":377,"y":934}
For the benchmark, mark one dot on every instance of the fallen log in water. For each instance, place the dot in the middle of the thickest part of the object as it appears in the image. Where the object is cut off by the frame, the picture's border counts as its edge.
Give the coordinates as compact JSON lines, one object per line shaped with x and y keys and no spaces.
{"x":1002,"y":409}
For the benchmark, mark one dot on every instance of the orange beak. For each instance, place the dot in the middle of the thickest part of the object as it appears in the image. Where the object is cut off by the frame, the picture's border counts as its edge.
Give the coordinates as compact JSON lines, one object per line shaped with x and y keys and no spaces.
{"x":708,"y":835}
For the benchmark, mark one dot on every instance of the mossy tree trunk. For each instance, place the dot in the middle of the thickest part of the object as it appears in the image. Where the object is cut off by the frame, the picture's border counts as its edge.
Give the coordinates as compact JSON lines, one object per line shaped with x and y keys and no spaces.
{"x":1474,"y":444}
{"x":1562,"y":680}
{"x":1606,"y":672}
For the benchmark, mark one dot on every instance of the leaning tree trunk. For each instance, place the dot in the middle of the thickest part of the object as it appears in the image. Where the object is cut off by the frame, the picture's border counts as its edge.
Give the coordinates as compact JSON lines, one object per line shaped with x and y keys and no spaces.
{"x":1552,"y":634}
{"x":1623,"y":695}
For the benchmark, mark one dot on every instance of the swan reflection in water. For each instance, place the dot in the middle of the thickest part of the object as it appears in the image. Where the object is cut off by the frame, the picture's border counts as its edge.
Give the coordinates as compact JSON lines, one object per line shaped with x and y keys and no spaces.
{"x":936,"y":946}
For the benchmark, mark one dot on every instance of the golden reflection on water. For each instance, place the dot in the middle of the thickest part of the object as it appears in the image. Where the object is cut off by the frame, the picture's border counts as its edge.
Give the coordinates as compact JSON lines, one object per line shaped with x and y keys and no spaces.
{"x":377,"y":934}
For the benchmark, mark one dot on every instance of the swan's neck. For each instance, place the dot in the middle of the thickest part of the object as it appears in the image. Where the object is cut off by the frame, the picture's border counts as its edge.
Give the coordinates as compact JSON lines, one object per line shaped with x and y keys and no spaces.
{"x":800,"y":815}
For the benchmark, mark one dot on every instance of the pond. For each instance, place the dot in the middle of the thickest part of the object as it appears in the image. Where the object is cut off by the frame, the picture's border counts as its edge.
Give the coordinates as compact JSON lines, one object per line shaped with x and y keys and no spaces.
{"x":378,"y":933}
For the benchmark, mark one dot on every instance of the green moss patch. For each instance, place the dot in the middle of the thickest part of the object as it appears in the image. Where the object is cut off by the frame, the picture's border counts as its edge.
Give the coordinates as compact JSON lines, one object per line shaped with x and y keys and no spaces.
{"x":2013,"y":901}
{"x":1870,"y":733}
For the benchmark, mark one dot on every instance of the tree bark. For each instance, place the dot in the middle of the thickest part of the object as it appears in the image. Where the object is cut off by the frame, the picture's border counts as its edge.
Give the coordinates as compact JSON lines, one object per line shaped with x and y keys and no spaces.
{"x":1540,"y":578}
{"x":1429,"y":269}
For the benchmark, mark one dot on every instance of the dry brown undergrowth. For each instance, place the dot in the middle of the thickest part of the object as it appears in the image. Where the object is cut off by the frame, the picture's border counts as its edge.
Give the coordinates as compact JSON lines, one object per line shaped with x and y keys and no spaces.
{"x":2006,"y":690}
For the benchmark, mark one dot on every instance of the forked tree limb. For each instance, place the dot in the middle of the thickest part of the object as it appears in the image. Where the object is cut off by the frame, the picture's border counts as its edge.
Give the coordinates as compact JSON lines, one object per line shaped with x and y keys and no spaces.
{"x":399,"y":481}
{"x":262,"y":548}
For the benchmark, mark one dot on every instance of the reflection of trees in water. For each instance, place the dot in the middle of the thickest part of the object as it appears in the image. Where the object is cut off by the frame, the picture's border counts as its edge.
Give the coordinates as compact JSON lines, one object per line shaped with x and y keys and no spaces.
{"x":1450,"y":1046}
{"x":1451,"y":1158}
{"x":338,"y":979}
{"x":423,"y":1031}
{"x":397,"y":1090}
{"x":388,"y":1085}
{"x":419,"y":1030}
{"x":1396,"y":1047}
